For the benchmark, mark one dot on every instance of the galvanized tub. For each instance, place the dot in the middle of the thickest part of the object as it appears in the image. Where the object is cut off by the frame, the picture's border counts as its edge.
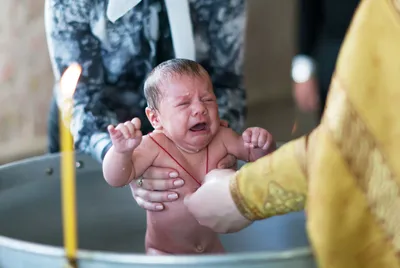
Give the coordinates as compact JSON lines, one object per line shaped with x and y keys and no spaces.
{"x":112,"y":227}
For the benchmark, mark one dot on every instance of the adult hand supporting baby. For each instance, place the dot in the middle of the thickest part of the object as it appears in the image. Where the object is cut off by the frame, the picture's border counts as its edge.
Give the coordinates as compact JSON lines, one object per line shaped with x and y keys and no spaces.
{"x":155,"y":189}
{"x":157,"y":183}
{"x":212,"y":204}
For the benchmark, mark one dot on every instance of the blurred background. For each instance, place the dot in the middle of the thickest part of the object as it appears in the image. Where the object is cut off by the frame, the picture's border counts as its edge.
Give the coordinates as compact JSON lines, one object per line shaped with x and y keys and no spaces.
{"x":26,"y":77}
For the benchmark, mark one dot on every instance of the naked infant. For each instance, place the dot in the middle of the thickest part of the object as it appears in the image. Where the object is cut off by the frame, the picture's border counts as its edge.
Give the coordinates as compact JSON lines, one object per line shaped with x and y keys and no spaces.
{"x":188,"y":136}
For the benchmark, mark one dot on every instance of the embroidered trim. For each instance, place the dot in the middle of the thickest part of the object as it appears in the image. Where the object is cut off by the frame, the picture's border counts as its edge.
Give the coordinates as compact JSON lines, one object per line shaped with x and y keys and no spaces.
{"x":240,"y":202}
{"x":278,"y":200}
{"x":365,"y":161}
{"x":281,"y":201}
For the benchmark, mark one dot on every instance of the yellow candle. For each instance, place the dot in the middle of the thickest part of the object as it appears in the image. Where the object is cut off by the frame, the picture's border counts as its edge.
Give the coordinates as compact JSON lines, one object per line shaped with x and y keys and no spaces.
{"x":68,"y":84}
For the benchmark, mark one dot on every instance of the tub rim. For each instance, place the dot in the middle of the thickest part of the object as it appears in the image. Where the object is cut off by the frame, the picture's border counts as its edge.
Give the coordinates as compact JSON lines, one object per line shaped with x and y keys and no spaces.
{"x":130,"y":258}
{"x":135,"y":258}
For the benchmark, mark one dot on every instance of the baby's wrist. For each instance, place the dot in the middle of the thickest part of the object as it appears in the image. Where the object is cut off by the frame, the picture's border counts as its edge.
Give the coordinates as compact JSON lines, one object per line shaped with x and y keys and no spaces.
{"x":124,"y":153}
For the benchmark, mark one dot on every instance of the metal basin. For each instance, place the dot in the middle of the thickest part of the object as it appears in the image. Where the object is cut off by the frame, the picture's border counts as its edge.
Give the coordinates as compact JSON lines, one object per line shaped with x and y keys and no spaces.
{"x":112,"y":227}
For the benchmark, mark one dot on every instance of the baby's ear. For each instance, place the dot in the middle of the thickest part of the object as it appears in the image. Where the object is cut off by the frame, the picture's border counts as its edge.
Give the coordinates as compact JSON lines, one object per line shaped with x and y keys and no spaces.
{"x":153,"y":117}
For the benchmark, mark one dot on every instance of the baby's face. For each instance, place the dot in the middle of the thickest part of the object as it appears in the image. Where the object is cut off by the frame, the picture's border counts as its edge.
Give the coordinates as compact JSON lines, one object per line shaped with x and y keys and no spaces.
{"x":188,"y":112}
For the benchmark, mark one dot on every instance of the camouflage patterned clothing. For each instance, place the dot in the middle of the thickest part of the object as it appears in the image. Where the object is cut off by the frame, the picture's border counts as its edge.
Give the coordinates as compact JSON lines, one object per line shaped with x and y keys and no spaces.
{"x":116,"y":57}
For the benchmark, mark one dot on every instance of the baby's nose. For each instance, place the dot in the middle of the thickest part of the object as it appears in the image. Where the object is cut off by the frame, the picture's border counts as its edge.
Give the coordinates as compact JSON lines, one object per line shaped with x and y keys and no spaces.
{"x":199,"y":109}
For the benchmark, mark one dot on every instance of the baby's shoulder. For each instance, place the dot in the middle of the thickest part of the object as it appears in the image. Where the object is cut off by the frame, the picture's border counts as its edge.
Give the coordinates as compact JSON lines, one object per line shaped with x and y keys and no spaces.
{"x":224,"y":134}
{"x":157,"y":137}
{"x":157,"y":140}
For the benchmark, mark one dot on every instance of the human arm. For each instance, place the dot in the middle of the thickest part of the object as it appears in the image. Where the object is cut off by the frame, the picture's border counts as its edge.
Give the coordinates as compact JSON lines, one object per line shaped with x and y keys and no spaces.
{"x":118,"y":168}
{"x":275,"y":184}
{"x":254,"y":143}
{"x":129,"y":156}
{"x":350,"y":161}
{"x":278,"y":183}
{"x":305,"y":86}
{"x":70,"y":40}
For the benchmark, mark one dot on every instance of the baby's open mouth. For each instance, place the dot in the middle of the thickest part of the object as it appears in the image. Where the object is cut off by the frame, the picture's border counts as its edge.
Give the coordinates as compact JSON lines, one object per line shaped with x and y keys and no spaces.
{"x":199,"y":127}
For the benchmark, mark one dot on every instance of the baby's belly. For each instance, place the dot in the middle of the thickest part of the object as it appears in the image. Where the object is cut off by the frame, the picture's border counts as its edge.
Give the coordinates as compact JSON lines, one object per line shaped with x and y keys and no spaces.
{"x":176,"y":231}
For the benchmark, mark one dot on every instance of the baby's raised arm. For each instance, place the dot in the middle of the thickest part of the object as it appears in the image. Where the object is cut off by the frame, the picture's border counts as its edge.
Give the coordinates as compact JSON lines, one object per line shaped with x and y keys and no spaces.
{"x":254,"y":143}
{"x":130,"y":155}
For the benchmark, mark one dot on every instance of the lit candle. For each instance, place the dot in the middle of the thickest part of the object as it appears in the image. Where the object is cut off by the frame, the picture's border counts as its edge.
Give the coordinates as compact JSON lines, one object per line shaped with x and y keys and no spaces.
{"x":68,"y":84}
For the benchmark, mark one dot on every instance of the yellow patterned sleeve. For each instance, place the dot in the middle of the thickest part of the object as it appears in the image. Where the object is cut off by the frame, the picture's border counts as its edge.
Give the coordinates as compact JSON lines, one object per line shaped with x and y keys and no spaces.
{"x":273,"y":185}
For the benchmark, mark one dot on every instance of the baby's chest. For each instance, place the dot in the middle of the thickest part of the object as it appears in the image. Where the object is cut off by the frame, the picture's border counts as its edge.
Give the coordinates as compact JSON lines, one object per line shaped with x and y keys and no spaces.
{"x":191,"y":170}
{"x":191,"y":167}
{"x":192,"y":175}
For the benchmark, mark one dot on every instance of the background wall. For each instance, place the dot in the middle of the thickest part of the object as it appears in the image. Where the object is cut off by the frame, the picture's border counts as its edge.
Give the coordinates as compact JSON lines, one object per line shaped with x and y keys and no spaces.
{"x":270,"y":47}
{"x":25,"y":79}
{"x":271,"y":39}
{"x":26,"y":76}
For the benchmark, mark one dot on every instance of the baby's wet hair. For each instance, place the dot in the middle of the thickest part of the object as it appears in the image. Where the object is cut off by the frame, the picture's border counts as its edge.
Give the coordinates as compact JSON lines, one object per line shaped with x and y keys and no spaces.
{"x":163,"y":72}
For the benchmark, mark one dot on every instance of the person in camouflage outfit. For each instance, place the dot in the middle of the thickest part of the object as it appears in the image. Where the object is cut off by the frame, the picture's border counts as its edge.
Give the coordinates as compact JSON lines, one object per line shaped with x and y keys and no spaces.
{"x":117,"y":54}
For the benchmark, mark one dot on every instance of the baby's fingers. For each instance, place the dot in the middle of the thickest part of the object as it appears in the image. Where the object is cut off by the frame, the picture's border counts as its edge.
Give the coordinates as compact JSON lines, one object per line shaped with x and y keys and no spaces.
{"x":114,"y":133}
{"x":124,"y":130}
{"x":130,"y":129}
{"x":136,"y":122}
{"x":270,"y":144}
{"x":262,"y":140}
{"x":137,"y":134}
{"x":246,"y":136}
{"x":255,"y":137}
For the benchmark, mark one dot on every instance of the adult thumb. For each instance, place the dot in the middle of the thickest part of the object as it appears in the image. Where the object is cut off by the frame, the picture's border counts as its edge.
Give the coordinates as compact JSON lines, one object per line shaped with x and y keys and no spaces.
{"x":186,"y":200}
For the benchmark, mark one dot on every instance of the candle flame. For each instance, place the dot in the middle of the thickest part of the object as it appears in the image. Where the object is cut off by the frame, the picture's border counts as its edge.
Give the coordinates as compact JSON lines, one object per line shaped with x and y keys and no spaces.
{"x":69,"y":80}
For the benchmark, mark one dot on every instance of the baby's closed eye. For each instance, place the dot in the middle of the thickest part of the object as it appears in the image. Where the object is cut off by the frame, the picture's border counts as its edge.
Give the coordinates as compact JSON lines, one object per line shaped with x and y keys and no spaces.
{"x":185,"y":103}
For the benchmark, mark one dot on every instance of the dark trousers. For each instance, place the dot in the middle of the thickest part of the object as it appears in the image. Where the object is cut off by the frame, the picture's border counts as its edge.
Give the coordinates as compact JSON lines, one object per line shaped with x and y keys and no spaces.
{"x":53,"y":138}
{"x":326,"y":56}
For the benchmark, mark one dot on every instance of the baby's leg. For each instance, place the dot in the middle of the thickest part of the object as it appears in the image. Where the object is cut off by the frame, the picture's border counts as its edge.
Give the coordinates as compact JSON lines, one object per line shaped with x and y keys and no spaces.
{"x":149,"y":246}
{"x":218,"y":248}
{"x":155,"y":252}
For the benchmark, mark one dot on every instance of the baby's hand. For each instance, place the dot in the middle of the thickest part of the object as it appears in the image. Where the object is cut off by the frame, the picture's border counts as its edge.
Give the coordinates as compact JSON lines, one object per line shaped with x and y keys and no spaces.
{"x":256,"y":137}
{"x":127,"y":136}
